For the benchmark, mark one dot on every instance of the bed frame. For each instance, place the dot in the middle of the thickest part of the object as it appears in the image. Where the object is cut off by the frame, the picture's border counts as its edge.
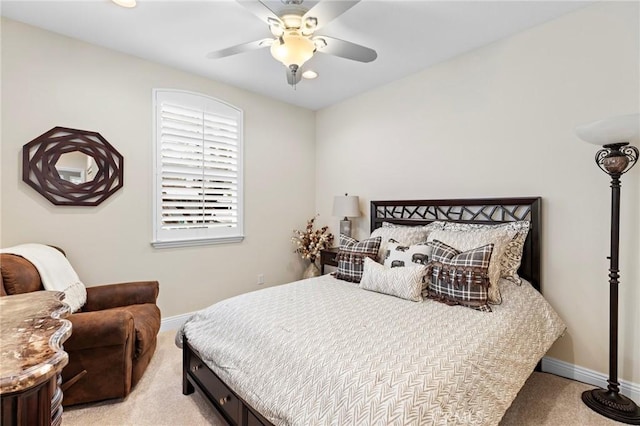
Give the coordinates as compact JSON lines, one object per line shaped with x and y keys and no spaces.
{"x":487,"y":211}
{"x":236,"y":412}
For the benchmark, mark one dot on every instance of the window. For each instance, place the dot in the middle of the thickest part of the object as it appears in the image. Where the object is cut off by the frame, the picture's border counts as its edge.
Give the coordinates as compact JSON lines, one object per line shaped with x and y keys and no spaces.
{"x":198,"y":170}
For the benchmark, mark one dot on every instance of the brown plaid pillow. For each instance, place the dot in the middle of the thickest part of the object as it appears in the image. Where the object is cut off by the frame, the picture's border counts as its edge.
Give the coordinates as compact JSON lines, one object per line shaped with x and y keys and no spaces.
{"x":460,"y":278}
{"x":351,"y":257}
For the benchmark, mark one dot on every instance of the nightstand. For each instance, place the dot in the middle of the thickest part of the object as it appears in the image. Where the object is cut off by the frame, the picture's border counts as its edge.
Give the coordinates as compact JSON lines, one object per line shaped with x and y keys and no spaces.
{"x":328,"y":257}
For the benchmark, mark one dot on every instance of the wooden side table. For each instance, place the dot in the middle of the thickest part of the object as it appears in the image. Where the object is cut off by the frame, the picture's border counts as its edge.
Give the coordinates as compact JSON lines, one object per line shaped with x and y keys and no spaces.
{"x":328,"y":257}
{"x":32,"y":357}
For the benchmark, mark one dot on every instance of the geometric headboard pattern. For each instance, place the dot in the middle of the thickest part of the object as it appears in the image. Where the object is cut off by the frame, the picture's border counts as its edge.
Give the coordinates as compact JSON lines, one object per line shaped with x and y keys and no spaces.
{"x":481,"y":210}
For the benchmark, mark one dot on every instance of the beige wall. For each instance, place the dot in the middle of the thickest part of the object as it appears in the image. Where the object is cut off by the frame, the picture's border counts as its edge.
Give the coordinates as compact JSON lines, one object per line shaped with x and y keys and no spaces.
{"x":49,"y":80}
{"x":499,"y":121}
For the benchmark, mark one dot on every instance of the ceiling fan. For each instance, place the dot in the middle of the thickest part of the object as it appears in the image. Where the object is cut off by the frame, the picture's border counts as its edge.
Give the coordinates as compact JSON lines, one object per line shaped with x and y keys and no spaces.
{"x":294,"y":40}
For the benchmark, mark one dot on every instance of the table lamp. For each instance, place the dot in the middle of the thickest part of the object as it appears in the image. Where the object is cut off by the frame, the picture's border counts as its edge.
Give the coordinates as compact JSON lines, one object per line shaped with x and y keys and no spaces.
{"x":346,"y":206}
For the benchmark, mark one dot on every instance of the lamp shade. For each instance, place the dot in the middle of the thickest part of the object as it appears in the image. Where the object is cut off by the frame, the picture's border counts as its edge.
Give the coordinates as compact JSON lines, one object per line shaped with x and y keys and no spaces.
{"x":346,"y":206}
{"x":619,"y":129}
{"x":125,"y":3}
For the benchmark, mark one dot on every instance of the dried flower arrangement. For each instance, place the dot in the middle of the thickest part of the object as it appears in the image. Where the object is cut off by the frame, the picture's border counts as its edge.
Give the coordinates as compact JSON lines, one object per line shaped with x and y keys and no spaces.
{"x":311,"y":241}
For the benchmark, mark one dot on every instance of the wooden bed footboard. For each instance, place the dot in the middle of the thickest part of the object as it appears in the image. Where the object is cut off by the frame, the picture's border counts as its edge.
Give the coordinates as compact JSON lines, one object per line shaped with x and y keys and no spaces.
{"x":196,"y":375}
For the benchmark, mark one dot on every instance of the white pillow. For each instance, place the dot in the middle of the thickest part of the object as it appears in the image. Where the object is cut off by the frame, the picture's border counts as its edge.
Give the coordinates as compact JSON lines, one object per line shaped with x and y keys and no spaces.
{"x":464,"y":240}
{"x":408,"y":235}
{"x":405,"y":283}
{"x":399,"y":255}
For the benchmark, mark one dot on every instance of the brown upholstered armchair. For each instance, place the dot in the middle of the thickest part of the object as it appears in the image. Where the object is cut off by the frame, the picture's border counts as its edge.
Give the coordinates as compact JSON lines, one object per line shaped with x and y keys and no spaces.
{"x":113,"y":338}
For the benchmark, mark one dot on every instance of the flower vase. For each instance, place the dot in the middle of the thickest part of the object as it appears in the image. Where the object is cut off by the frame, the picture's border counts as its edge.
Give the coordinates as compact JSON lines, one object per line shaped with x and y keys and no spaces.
{"x":311,"y":271}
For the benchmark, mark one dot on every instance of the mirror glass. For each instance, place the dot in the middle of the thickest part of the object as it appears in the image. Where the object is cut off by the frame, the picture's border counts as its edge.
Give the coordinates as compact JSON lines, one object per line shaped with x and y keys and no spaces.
{"x":76,"y":167}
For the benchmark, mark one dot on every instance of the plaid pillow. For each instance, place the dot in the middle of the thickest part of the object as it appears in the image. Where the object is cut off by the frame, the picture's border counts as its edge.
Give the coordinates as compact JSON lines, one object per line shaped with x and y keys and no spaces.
{"x":351,"y":257}
{"x":460,"y":278}
{"x":512,"y":256}
{"x":469,"y":239}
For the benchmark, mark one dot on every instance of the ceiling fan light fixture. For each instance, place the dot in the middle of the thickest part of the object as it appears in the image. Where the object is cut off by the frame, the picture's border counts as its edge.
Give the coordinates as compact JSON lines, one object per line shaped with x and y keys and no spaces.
{"x":125,"y":3}
{"x":310,"y":25}
{"x":293,"y":42}
{"x":309,"y":74}
{"x":276,"y":30}
{"x":292,"y":21}
{"x":293,"y":49}
{"x":319,"y":42}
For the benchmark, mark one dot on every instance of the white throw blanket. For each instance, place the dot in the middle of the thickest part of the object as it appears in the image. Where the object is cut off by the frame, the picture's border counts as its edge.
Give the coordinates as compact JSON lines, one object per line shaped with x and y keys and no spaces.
{"x":55,"y":271}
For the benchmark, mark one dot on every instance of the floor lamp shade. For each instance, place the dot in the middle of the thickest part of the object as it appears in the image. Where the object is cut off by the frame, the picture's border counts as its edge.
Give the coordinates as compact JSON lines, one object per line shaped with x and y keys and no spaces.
{"x":623,"y":128}
{"x":346,"y":206}
{"x":615,"y":158}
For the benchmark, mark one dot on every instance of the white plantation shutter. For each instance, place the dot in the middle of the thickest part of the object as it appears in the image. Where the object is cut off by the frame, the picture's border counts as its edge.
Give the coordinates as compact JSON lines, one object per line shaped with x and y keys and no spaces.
{"x":198,"y":172}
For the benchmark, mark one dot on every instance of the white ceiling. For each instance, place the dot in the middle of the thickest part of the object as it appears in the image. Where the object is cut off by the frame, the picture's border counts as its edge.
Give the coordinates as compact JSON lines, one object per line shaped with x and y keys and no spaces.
{"x":408,"y":35}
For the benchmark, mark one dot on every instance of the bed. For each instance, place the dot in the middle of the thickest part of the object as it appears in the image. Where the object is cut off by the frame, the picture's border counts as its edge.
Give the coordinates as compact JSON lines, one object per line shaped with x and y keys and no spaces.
{"x":324,"y":351}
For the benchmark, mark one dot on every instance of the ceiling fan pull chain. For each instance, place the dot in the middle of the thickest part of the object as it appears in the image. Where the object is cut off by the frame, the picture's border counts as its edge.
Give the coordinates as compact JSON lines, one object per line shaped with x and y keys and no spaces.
{"x":293,"y":81}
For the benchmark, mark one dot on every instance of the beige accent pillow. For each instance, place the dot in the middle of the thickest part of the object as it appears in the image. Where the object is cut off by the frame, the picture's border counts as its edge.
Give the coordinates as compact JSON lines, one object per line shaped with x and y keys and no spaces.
{"x":512,"y":258}
{"x":473,"y":238}
{"x":406,"y":282}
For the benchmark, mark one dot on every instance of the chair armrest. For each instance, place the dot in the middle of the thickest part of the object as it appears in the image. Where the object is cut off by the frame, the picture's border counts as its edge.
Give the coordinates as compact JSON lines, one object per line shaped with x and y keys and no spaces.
{"x":99,"y":329}
{"x":117,"y":295}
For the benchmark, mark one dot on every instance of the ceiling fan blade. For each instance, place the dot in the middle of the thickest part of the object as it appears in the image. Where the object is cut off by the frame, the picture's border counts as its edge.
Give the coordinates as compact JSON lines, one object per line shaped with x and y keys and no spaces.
{"x":261,"y":11}
{"x":346,"y":49}
{"x":327,"y":10}
{"x":292,"y":78}
{"x":240,"y":48}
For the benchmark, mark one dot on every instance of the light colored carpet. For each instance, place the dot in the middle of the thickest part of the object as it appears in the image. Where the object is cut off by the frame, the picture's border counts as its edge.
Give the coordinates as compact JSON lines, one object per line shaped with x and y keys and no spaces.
{"x":157,"y":400}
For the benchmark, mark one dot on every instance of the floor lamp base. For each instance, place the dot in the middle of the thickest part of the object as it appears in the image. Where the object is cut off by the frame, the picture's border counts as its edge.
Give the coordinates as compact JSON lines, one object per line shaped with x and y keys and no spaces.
{"x":612,"y":405}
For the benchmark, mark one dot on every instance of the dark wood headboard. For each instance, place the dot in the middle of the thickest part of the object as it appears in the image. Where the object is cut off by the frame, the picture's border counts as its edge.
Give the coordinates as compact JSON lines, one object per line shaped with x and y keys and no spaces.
{"x":482,"y":210}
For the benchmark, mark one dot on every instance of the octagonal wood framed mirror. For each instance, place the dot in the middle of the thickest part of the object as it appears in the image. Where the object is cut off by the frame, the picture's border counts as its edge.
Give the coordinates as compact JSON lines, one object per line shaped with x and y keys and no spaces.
{"x":71,"y":167}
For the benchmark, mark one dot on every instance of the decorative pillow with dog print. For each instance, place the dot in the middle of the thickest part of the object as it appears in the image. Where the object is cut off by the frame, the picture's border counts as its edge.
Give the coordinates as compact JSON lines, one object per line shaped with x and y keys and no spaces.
{"x":399,"y":254}
{"x":406,"y":234}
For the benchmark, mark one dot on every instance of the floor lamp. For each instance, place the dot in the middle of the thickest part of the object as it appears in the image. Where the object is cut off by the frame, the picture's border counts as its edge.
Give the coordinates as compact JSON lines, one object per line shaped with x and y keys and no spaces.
{"x":615,"y":158}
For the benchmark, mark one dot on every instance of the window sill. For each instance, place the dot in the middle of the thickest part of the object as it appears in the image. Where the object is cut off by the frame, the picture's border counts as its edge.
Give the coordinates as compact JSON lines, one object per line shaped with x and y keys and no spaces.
{"x":198,"y":242}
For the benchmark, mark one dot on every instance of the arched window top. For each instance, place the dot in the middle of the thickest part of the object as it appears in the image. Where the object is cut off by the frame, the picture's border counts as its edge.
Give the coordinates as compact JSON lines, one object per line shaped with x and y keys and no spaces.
{"x":198,"y":170}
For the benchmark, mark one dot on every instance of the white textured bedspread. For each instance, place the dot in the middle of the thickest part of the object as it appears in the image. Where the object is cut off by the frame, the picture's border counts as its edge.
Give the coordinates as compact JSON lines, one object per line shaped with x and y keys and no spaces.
{"x":325,"y":352}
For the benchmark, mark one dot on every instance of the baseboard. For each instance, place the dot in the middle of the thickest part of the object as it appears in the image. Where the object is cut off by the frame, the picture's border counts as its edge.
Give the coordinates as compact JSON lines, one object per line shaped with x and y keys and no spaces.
{"x":581,"y":374}
{"x":175,"y":322}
